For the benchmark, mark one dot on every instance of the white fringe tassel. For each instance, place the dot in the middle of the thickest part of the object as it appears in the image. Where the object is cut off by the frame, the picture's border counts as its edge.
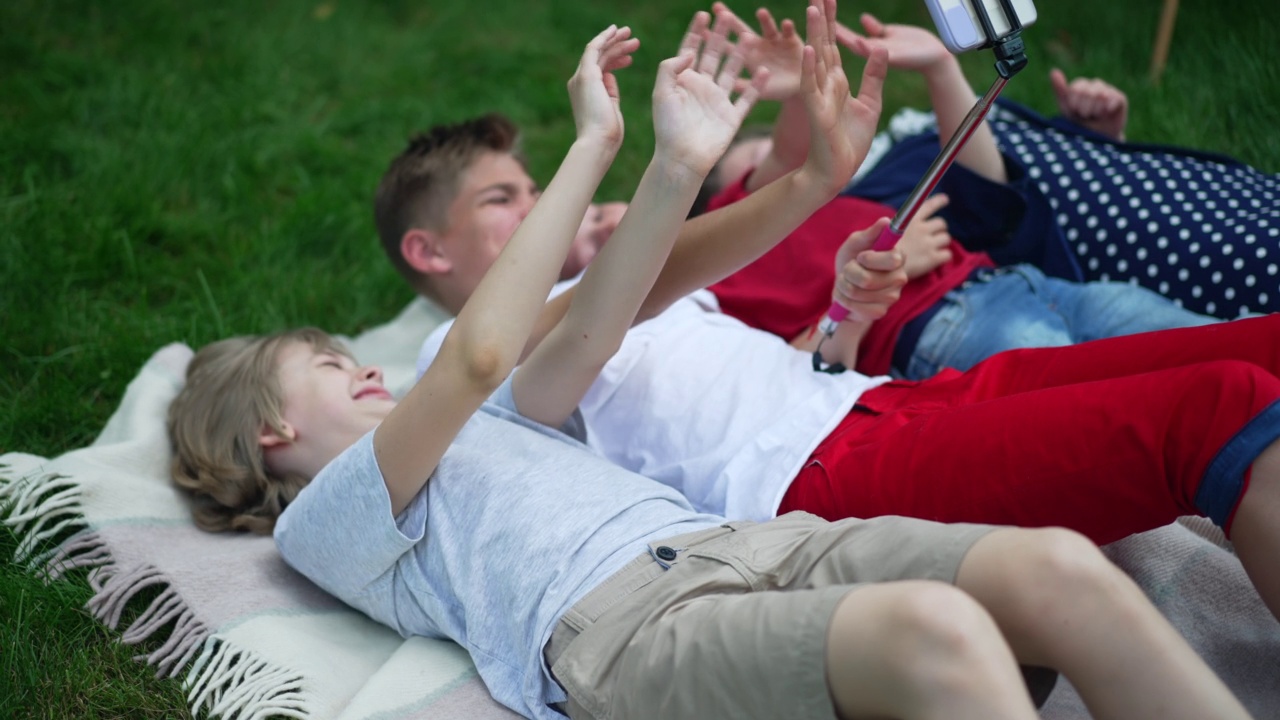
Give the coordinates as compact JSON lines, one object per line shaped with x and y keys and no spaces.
{"x":222,"y":681}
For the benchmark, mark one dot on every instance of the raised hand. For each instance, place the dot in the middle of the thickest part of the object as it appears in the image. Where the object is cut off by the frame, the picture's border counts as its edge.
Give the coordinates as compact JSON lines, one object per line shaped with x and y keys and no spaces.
{"x":776,"y":47}
{"x":694,"y":114}
{"x":593,"y":89}
{"x":1092,"y":103}
{"x":925,"y":241}
{"x":841,"y":126}
{"x":909,"y":47}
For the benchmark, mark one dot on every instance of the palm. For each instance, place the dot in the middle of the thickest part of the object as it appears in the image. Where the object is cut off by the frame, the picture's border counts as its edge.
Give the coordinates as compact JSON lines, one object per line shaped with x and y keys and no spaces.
{"x":597,"y":111}
{"x":695,"y":118}
{"x":909,"y":47}
{"x":778,"y":49}
{"x":781,"y":54}
{"x":840,"y":126}
{"x":593,"y":90}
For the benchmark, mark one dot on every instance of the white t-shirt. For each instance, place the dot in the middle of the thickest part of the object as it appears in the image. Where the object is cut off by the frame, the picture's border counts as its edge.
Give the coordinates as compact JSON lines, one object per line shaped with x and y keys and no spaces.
{"x":724,"y":413}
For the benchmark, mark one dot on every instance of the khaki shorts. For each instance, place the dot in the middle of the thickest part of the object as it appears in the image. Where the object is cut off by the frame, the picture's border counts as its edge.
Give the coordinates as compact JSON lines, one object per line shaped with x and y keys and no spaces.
{"x":691,"y":631}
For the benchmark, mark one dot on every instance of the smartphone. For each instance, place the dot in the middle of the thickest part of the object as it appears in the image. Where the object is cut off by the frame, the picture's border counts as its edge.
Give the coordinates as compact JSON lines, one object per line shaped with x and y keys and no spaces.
{"x":961,"y":28}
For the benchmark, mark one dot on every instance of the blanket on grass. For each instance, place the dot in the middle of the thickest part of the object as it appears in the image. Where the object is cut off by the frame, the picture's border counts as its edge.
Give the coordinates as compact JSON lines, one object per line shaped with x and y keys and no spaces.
{"x":250,"y":638}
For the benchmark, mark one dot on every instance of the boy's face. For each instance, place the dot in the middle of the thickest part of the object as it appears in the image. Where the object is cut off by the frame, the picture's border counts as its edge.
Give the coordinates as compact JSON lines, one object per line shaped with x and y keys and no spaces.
{"x":494,"y":196}
{"x":329,"y":404}
{"x":742,"y":157}
{"x":596,"y":228}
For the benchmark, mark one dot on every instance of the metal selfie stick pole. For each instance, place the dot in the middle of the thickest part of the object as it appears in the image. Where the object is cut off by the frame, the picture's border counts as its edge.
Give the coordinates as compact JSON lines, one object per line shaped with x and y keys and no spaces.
{"x":1010,"y":58}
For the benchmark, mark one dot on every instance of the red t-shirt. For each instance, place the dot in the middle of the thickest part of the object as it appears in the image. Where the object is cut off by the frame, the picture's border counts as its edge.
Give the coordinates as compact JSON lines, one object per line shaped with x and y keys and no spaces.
{"x":789,"y":288}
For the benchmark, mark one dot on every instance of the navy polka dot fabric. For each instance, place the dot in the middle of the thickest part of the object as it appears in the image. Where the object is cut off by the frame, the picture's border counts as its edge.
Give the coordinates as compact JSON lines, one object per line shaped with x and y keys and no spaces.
{"x":1199,"y":229}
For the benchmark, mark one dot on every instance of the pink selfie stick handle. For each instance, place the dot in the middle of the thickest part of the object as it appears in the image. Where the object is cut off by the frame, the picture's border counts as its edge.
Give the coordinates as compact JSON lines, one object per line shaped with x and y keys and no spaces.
{"x":837,"y":312}
{"x":888,"y":238}
{"x":892,"y":232}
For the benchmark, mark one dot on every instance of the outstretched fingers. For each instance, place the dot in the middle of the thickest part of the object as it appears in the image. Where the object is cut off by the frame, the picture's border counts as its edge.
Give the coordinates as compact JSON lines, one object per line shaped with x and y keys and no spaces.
{"x":671,"y":67}
{"x":735,"y":23}
{"x":731,"y":69}
{"x":872,"y":25}
{"x":591,"y":54}
{"x":830,"y":46}
{"x":714,"y":46}
{"x":769,"y":28}
{"x":871,"y":87}
{"x":616,"y":53}
{"x":857,"y":44}
{"x":751,"y":93}
{"x":814,"y":31}
{"x":693,"y":36}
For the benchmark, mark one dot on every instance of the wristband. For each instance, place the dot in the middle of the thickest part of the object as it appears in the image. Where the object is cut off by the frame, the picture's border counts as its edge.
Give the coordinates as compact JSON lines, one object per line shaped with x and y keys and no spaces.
{"x":820,"y":365}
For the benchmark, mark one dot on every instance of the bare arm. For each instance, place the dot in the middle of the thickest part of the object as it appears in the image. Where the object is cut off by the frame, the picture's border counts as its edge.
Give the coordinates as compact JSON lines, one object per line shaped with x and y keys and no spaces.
{"x":713,"y":246}
{"x":914,"y":48}
{"x":694,"y":120}
{"x":486,"y":340}
{"x":779,"y":48}
{"x":841,"y":128}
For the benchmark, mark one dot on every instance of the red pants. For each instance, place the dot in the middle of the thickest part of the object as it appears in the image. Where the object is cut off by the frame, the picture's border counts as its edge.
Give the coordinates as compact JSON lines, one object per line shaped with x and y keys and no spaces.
{"x":1109,"y":437}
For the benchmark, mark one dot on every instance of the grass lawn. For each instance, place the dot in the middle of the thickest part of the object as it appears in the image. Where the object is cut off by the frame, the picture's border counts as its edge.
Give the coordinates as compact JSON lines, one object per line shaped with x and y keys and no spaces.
{"x":182,"y":172}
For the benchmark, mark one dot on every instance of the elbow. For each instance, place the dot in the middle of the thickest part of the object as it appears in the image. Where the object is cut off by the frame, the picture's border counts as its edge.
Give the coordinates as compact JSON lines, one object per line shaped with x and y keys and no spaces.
{"x":480,"y":364}
{"x":485,"y":366}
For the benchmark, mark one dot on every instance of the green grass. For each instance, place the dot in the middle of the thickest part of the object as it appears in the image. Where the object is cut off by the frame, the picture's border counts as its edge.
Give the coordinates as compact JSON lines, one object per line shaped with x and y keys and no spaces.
{"x":180,"y":172}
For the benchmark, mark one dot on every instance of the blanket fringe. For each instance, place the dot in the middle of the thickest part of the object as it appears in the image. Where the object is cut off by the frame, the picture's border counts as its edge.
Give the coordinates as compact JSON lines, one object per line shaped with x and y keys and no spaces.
{"x":40,"y":508}
{"x":222,"y":681}
{"x":232,"y":684}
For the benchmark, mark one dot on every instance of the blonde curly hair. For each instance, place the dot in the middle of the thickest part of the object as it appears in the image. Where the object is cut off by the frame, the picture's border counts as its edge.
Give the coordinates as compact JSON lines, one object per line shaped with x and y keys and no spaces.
{"x":232,"y":393}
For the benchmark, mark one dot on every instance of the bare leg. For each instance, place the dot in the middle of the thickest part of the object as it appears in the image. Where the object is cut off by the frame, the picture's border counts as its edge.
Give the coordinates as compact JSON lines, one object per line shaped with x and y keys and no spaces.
{"x":918,"y":650}
{"x":1061,"y":604}
{"x":1256,"y":528}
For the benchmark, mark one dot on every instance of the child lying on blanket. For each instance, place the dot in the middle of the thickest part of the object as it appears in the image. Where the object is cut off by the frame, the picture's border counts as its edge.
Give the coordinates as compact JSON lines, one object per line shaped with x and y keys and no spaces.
{"x":496,"y":530}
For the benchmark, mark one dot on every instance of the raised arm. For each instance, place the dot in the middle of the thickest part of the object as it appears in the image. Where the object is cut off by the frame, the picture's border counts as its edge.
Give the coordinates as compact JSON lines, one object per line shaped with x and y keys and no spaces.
{"x":841,"y":126}
{"x":915,"y":48}
{"x":491,"y":330}
{"x":694,"y":121}
{"x":715,"y":245}
{"x":778,"y":48}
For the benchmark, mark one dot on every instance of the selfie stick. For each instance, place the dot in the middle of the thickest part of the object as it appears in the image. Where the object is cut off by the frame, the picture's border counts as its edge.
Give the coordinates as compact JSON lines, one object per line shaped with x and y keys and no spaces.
{"x":1010,"y":58}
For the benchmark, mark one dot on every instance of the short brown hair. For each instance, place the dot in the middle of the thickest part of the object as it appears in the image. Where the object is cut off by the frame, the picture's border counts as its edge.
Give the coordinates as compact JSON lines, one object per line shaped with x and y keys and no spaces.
{"x":232,"y":392}
{"x":421,"y":182}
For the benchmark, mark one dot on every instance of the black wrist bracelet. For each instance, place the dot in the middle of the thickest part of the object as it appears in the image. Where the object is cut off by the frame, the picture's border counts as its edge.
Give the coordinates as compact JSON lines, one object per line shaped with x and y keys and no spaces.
{"x":820,"y":365}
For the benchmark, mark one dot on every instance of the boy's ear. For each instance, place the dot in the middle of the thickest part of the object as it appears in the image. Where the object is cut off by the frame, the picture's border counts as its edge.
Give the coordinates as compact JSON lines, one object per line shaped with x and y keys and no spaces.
{"x":424,"y":251}
{"x":269,"y":437}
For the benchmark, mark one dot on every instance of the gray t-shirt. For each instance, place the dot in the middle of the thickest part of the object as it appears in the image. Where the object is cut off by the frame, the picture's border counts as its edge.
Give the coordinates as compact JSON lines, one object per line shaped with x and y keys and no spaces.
{"x":518,"y":522}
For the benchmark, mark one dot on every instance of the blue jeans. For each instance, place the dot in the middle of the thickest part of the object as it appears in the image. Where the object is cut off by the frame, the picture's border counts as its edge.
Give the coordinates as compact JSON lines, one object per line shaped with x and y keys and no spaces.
{"x":1020,"y":307}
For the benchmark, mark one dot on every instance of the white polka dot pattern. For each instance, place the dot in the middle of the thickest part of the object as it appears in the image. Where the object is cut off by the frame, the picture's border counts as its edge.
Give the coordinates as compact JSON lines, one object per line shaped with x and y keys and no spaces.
{"x":1203,"y":233}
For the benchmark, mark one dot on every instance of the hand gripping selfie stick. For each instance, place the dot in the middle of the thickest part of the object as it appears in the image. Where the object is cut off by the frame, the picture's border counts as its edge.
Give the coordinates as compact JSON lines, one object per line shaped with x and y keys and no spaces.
{"x":1010,"y":58}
